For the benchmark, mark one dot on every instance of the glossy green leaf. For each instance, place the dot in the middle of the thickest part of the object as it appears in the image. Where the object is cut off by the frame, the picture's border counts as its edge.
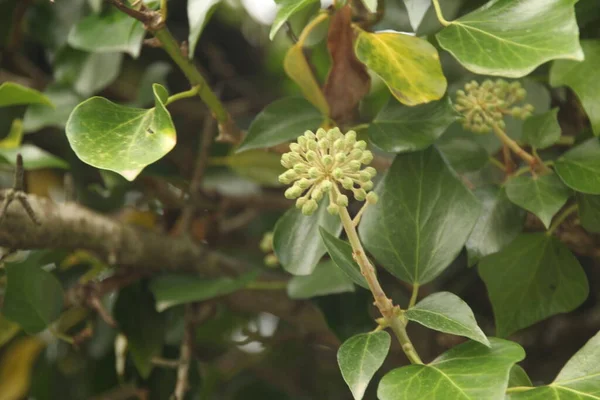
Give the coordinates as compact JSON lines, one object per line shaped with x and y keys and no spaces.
{"x":531,"y":279}
{"x":286,"y":9}
{"x":469,"y":371}
{"x":340,"y":252}
{"x":542,"y":130}
{"x":143,"y":326}
{"x":422,"y":220}
{"x":281,"y":121}
{"x":8,"y":330}
{"x":582,"y":77}
{"x":401,"y":128}
{"x":257,"y":165}
{"x":296,"y":240}
{"x":298,"y":69}
{"x":33,"y":158}
{"x":326,"y":279}
{"x":198,"y":12}
{"x":589,"y":211}
{"x":579,"y":168}
{"x":518,"y":377}
{"x":121,"y":139}
{"x":33,"y":297}
{"x":126,"y":33}
{"x":39,"y":116}
{"x":463,"y":155}
{"x":12,"y":94}
{"x":416,"y":10}
{"x":578,"y":380}
{"x":500,"y":222}
{"x":542,"y":195}
{"x":14,"y":137}
{"x":175,"y":289}
{"x":410,"y":66}
{"x":446,"y":312}
{"x":511,"y":38}
{"x":87,"y":73}
{"x":360,"y":357}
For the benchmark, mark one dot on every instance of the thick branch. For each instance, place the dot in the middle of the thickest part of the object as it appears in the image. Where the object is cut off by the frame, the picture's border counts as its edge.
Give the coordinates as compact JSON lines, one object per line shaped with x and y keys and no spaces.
{"x":72,"y":227}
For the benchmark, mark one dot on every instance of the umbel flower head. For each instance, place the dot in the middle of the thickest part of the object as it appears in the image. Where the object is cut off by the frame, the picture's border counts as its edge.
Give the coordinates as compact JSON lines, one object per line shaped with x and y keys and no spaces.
{"x":319,"y":163}
{"x":485,"y":105}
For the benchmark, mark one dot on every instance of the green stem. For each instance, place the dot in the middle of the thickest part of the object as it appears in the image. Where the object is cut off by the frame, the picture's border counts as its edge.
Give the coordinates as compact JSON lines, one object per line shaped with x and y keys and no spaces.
{"x":163,"y":9}
{"x":566,"y":140}
{"x":266,"y":285}
{"x":561,"y":218}
{"x":227,"y":128}
{"x":497,"y":163}
{"x":183,"y":95}
{"x":438,"y":13}
{"x":517,"y":389}
{"x":514,"y":146}
{"x":415,"y":294}
{"x":523,"y":170}
{"x":311,"y":25}
{"x":359,"y":127}
{"x":62,"y":336}
{"x":383,"y":303}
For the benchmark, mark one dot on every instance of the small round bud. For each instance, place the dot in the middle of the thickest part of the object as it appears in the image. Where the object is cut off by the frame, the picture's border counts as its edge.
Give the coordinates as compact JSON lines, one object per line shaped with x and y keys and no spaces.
{"x":295,"y":148}
{"x":460,"y":93}
{"x":361,"y":144}
{"x":364,"y":176}
{"x":321,"y":133}
{"x":333,"y":209}
{"x":516,"y":112}
{"x":311,"y":155}
{"x":347,"y":183}
{"x":309,"y":135}
{"x":326,"y":186}
{"x":372,"y":171}
{"x":529,"y":108}
{"x":367,"y":185}
{"x":283,"y":178}
{"x":337,"y":173}
{"x":301,"y":201}
{"x":487,"y":84}
{"x":367,"y":157}
{"x":285,"y":160}
{"x":291,"y":175}
{"x":327,"y":160}
{"x":309,"y":207}
{"x":303,"y":183}
{"x":356,"y":154}
{"x":520,"y":94}
{"x":338,"y":144}
{"x":340,"y":157}
{"x":515,"y":85}
{"x":266,"y":244}
{"x":311,"y":145}
{"x":323,"y":144}
{"x":293,"y":192}
{"x":359,"y":194}
{"x":302,"y":142}
{"x":314,"y":172}
{"x":350,"y":138}
{"x":342,"y":200}
{"x":300,"y":168}
{"x":501,"y":124}
{"x":317,"y":194}
{"x":372,"y":198}
{"x":271,"y":260}
{"x":354,"y":165}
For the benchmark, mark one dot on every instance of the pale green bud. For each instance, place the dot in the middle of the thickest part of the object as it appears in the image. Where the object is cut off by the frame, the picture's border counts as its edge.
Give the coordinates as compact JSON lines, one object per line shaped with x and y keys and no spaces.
{"x":350,"y":138}
{"x":326,"y":186}
{"x":516,"y":112}
{"x":341,"y":157}
{"x":302,"y":141}
{"x":309,"y":135}
{"x":311,"y":155}
{"x":300,"y":168}
{"x":342,"y":200}
{"x":327,"y":160}
{"x":309,"y":207}
{"x":323,"y":144}
{"x":266,"y":244}
{"x":283,"y":178}
{"x":367,"y":185}
{"x":295,"y":148}
{"x":372,"y":198}
{"x":367,"y":157}
{"x":285,"y":160}
{"x":303,"y":183}
{"x":317,"y":194}
{"x":359,"y":194}
{"x":338,"y":173}
{"x":311,"y":145}
{"x":364,"y":176}
{"x":301,"y":201}
{"x":354,"y":165}
{"x":271,"y":260}
{"x":371,"y":171}
{"x":314,"y":172}
{"x":333,"y":209}
{"x":347,"y":183}
{"x":361,"y":144}
{"x":356,"y":153}
{"x":321,"y":133}
{"x":293,"y":192}
{"x":338,"y":144}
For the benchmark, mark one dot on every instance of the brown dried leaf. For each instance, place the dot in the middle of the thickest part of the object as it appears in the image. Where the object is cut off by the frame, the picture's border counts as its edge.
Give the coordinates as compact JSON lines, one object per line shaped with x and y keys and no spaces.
{"x":348,"y":81}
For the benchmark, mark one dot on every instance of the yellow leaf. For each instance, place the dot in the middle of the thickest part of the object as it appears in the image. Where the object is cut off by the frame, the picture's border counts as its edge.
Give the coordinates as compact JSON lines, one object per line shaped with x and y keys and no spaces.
{"x":16,"y":366}
{"x":14,"y":137}
{"x":409,"y":66}
{"x":8,"y":330}
{"x":299,"y":71}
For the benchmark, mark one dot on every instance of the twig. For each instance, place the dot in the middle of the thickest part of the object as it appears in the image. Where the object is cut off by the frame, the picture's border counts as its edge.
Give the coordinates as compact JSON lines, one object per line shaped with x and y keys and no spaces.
{"x":185,"y":355}
{"x":18,"y":193}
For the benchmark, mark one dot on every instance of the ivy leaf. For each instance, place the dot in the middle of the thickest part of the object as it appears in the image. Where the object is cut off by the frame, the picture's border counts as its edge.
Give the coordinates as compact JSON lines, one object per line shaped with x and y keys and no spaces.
{"x":257,"y":165}
{"x":33,"y":158}
{"x":531,"y":279}
{"x":446,"y":312}
{"x":121,"y":139}
{"x":360,"y":357}
{"x":500,"y":222}
{"x":198,"y":12}
{"x":423,"y":219}
{"x":579,"y":168}
{"x":463,"y":155}
{"x":508,"y":38}
{"x":172,"y":290}
{"x":341,"y":254}
{"x":451,"y":375}
{"x":14,"y":137}
{"x":326,"y":279}
{"x":39,"y":116}
{"x":296,"y":240}
{"x":12,"y":94}
{"x":589,"y":211}
{"x":579,"y":378}
{"x":518,"y":377}
{"x":298,"y":69}
{"x":143,"y":326}
{"x":280,"y":121}
{"x":542,"y":130}
{"x":543,"y":195}
{"x":401,"y":128}
{"x":34,"y":297}
{"x":286,"y":9}
{"x":410,"y":66}
{"x":90,"y":33}
{"x":581,"y":76}
{"x":86,"y":72}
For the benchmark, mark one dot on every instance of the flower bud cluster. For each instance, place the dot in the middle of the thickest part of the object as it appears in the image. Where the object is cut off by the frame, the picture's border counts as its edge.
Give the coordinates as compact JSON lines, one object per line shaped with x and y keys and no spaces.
{"x":485,"y":105}
{"x":318,"y":163}
{"x":266,"y":246}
